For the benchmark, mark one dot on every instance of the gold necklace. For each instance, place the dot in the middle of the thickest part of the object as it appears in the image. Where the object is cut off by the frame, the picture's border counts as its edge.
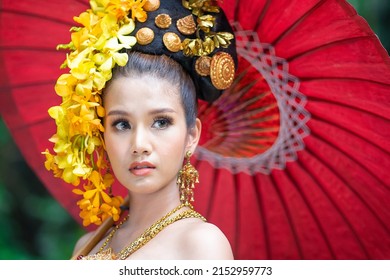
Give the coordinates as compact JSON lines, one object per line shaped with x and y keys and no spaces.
{"x":145,"y":237}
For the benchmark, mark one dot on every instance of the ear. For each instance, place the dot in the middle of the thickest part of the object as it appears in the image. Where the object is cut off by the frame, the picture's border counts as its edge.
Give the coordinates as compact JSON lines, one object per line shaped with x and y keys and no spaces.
{"x":194,"y":136}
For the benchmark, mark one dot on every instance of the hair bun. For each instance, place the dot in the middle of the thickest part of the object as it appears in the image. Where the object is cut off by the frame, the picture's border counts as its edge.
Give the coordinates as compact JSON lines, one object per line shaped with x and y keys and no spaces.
{"x":188,"y":39}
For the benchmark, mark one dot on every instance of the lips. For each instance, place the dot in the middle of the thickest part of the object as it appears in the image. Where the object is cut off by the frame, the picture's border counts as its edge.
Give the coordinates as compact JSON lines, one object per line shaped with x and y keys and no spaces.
{"x":141,"y":168}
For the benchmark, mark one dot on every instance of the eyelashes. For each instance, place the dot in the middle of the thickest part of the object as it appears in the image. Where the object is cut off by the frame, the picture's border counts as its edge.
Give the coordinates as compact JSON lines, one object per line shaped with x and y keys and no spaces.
{"x":162,"y":122}
{"x":159,"y":122}
{"x":121,"y":124}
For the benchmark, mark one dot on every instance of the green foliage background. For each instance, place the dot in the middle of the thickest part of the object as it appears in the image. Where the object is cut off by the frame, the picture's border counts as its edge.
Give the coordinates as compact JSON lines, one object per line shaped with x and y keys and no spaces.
{"x":34,"y":226}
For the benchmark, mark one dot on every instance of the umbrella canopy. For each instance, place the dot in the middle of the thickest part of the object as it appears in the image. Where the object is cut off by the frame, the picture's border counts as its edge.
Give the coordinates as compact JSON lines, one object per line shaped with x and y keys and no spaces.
{"x":293,"y":158}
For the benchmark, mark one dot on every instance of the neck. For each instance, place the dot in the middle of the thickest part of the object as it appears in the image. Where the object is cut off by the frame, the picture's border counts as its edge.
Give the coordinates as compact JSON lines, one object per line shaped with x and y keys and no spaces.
{"x":145,"y":209}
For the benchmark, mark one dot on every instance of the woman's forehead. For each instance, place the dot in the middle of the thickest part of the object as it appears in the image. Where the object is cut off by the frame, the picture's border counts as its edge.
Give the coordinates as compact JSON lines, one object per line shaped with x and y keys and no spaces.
{"x":143,"y":92}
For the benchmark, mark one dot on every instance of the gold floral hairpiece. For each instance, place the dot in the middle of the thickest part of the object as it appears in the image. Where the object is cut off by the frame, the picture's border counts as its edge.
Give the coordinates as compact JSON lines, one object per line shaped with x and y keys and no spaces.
{"x":79,"y":152}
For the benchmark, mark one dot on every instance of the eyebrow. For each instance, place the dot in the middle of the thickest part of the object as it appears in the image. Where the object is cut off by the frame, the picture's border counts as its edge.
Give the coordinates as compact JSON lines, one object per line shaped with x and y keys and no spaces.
{"x":117,"y":112}
{"x":153,"y":112}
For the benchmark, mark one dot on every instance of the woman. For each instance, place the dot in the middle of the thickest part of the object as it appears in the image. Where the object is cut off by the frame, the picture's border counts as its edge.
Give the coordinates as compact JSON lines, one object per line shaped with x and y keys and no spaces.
{"x":150,"y":124}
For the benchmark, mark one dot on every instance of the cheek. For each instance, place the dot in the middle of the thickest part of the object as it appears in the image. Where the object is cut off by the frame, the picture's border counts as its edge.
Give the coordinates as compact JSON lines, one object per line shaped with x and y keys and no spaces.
{"x":112,"y":147}
{"x":175,"y":147}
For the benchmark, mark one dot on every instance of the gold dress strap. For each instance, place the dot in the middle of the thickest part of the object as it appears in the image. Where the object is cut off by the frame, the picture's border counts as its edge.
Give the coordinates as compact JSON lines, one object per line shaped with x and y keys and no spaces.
{"x":108,"y":254}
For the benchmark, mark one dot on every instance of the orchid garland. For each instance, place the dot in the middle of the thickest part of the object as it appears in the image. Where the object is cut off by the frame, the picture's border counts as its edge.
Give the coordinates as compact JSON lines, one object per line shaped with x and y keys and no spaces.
{"x":78,"y":144}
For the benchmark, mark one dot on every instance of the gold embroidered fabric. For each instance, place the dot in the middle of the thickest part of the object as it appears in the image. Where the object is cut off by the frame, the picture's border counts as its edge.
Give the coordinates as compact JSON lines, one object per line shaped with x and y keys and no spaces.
{"x":108,"y":254}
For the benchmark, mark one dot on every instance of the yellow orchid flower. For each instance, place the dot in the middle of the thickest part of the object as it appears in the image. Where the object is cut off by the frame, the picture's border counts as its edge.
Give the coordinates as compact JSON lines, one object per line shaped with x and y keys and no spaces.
{"x":51,"y":165}
{"x":57,"y":113}
{"x":88,"y":213}
{"x":49,"y":160}
{"x":137,"y":11}
{"x":111,"y":31}
{"x":74,"y":60}
{"x":65,"y":160}
{"x":112,"y":209}
{"x":99,"y":81}
{"x":91,"y":143}
{"x":62,"y":146}
{"x":65,"y":85}
{"x":97,"y":194}
{"x":83,"y":70}
{"x":81,"y":170}
{"x":87,"y":19}
{"x":69,"y":177}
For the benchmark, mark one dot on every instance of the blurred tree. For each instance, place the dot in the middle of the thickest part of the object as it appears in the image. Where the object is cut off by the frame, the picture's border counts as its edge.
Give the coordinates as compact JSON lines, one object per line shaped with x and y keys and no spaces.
{"x":34,"y":225}
{"x":377,"y":14}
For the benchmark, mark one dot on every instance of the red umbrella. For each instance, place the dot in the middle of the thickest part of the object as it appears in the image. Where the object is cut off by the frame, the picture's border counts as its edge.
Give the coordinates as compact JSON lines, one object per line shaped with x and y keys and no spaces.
{"x":293,"y":159}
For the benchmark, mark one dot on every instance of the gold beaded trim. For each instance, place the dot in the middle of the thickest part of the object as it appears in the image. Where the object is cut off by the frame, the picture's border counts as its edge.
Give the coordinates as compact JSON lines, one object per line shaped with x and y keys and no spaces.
{"x":150,"y":233}
{"x":145,"y":237}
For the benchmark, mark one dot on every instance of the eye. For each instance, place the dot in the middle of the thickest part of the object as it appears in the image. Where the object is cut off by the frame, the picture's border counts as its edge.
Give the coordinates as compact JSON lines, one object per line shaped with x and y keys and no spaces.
{"x":121,"y":125}
{"x":162,"y":122}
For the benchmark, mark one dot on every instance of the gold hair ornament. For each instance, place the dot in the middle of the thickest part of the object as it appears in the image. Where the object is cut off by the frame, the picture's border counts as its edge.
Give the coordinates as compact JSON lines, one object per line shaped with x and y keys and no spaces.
{"x":205,"y":21}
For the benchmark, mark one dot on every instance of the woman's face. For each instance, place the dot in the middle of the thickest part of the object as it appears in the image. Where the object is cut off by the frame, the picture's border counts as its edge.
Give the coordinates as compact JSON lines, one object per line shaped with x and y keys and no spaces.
{"x":145,"y":132}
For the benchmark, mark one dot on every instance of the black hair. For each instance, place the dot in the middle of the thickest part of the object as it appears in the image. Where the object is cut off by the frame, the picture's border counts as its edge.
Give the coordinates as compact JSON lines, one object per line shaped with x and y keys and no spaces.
{"x":162,"y":67}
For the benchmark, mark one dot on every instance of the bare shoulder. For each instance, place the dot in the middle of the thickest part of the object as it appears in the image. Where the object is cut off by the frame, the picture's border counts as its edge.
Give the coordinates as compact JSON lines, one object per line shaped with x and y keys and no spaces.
{"x":82,"y":242}
{"x":206,"y":241}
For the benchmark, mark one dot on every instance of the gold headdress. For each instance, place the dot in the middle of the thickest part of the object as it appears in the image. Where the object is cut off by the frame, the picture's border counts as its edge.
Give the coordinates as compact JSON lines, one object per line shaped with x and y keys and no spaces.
{"x":96,"y":47}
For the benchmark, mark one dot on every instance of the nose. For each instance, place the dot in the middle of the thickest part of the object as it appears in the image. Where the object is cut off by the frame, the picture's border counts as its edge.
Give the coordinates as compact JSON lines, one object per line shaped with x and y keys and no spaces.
{"x":140,"y":142}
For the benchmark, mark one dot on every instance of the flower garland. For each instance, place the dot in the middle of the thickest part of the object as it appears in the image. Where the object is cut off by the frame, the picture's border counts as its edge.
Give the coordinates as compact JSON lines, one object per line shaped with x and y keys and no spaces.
{"x":78,"y":143}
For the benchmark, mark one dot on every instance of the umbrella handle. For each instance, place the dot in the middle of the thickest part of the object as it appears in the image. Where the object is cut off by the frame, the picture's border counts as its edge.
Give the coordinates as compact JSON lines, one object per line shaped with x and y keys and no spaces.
{"x":97,"y":235}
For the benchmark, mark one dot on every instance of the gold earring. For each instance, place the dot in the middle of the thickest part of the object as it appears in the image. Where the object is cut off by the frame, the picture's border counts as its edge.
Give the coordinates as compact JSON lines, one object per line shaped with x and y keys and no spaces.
{"x":186,"y":180}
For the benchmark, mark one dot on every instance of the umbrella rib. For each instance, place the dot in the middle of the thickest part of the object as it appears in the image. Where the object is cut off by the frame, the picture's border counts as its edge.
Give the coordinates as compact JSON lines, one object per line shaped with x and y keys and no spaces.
{"x":245,"y":104}
{"x":342,"y":214}
{"x":83,"y":3}
{"x":325,"y":46}
{"x":289,"y":218}
{"x":211,"y":204}
{"x":212,"y":193}
{"x":29,"y":125}
{"x":359,"y":137}
{"x":350,"y":131}
{"x":297,"y":22}
{"x":259,"y":19}
{"x":261,"y":210}
{"x":346,"y":79}
{"x":40,"y":83}
{"x":236,"y":9}
{"x":27,"y":14}
{"x":311,"y":209}
{"x":27,"y":48}
{"x":352,"y":190}
{"x":237,"y":208}
{"x":262,"y":15}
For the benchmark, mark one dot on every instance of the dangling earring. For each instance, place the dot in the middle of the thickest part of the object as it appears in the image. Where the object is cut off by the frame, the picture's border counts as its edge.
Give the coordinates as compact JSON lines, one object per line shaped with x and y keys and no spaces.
{"x":186,"y":180}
